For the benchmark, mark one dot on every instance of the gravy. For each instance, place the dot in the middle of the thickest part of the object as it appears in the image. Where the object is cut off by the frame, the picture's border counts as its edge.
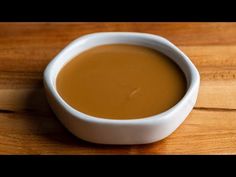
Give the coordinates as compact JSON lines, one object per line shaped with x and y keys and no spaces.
{"x":121,"y":81}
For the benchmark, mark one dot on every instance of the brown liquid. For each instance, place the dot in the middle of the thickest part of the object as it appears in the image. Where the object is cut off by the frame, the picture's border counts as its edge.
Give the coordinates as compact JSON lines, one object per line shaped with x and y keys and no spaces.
{"x":121,"y":81}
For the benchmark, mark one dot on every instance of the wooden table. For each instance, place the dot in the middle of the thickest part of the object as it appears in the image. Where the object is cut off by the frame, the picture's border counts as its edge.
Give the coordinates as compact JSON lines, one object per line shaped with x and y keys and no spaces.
{"x":28,"y":126}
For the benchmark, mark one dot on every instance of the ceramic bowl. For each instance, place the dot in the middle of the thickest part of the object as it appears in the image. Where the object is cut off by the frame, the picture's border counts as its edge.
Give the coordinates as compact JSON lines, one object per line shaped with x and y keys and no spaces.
{"x":134,"y":131}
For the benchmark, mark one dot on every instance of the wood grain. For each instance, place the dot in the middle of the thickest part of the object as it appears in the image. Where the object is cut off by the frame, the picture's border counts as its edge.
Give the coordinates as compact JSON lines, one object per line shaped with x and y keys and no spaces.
{"x":28,"y":126}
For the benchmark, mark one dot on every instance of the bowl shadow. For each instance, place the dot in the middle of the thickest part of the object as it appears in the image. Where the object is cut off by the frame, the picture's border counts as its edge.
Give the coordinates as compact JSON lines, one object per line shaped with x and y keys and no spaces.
{"x":46,"y":126}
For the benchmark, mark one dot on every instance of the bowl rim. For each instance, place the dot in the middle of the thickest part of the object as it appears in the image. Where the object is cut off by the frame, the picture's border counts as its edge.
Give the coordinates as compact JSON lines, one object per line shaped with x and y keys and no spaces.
{"x":47,"y":75}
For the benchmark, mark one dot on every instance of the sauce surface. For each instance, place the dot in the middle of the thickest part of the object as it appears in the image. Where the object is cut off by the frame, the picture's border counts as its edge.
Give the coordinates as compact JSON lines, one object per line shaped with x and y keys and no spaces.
{"x":121,"y":81}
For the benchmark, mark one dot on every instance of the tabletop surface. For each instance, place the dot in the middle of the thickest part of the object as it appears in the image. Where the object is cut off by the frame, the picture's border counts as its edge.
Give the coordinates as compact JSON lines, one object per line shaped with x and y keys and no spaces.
{"x":28,"y":125}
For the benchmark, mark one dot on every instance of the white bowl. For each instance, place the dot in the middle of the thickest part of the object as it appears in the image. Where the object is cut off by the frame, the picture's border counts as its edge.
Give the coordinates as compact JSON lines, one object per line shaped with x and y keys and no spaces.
{"x":108,"y":131}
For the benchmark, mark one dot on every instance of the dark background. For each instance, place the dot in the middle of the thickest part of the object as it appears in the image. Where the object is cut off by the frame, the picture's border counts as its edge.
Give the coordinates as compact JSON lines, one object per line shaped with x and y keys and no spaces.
{"x":88,"y":10}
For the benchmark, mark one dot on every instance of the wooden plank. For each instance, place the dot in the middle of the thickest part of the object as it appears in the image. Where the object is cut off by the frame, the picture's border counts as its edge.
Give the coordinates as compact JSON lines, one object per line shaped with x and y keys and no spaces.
{"x":30,"y":46}
{"x":217,"y":66}
{"x":203,"y":132}
{"x":58,"y":33}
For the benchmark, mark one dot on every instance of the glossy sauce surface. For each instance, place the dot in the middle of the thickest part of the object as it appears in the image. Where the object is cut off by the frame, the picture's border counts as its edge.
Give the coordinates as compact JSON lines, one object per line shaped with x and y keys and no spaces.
{"x":121,"y":81}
